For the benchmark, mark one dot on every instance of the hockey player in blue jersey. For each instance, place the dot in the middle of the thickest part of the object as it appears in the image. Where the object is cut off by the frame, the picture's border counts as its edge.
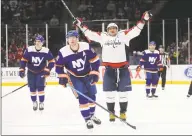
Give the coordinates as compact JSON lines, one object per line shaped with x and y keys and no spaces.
{"x":35,"y":58}
{"x":151,"y":62}
{"x":82,"y":66}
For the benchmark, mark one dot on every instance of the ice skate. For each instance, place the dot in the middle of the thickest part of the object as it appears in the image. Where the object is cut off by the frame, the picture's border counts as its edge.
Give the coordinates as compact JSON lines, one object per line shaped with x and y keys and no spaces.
{"x":89,"y":124}
{"x":153,"y":95}
{"x":35,"y":105}
{"x":96,"y":120}
{"x":148,"y":96}
{"x":123,"y":116}
{"x":41,"y":106}
{"x":163,"y":88}
{"x":111,"y":118}
{"x":188,"y":95}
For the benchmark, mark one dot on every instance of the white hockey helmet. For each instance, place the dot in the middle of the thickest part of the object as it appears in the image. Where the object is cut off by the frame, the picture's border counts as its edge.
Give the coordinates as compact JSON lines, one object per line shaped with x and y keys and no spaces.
{"x":112,"y":25}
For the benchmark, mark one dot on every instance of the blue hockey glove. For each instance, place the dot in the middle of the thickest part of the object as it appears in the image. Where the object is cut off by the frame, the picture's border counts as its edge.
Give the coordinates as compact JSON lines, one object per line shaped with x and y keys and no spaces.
{"x":63,"y":80}
{"x":46,"y":72}
{"x":94,"y":77}
{"x":22,"y":73}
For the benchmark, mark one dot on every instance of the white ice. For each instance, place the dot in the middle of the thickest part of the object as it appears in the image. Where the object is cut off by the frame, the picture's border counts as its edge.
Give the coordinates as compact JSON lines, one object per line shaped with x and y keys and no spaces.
{"x":171,"y":113}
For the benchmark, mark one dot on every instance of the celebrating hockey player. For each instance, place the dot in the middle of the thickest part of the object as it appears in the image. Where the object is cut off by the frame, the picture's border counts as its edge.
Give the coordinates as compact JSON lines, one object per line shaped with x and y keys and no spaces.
{"x":117,"y":76}
{"x":35,"y":58}
{"x":151,"y":62}
{"x":82,"y":65}
{"x":165,"y":61}
{"x":190,"y":90}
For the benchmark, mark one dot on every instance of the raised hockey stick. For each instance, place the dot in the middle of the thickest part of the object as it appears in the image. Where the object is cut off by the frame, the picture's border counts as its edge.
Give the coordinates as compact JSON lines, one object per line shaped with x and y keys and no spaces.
{"x":134,"y":127}
{"x":65,"y":5}
{"x":14,"y":90}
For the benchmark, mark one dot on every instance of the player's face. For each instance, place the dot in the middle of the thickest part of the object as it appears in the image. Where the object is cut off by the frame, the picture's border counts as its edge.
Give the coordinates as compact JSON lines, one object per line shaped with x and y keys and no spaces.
{"x":38,"y":44}
{"x":161,"y":50}
{"x":73,"y":43}
{"x":112,"y":31}
{"x":152,"y":47}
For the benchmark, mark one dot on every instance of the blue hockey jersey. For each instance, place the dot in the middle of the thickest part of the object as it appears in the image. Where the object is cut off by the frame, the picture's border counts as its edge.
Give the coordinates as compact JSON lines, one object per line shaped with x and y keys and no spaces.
{"x":36,"y":61}
{"x":151,"y":61}
{"x":78,"y":64}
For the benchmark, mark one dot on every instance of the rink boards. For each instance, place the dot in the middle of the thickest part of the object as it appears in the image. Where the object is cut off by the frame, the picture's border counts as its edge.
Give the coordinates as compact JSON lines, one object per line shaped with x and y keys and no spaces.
{"x":176,"y":74}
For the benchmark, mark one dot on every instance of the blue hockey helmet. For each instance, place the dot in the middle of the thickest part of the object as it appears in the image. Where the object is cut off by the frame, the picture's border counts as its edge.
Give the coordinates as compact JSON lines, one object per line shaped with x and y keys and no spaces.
{"x":152,"y":43}
{"x":72,"y":33}
{"x":40,"y":38}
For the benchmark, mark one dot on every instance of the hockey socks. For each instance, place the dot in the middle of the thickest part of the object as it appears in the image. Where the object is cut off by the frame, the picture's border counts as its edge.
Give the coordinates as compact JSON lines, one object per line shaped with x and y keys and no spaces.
{"x":41,"y":96}
{"x":87,"y":108}
{"x":33,"y":95}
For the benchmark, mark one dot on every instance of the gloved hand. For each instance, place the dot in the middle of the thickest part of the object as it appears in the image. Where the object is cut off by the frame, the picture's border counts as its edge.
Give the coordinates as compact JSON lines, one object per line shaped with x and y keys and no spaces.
{"x":146,"y":16}
{"x":64,"y":80}
{"x":77,"y":23}
{"x":46,"y":72}
{"x":94,"y":77}
{"x":22,"y":73}
{"x":160,"y":69}
{"x":138,"y":68}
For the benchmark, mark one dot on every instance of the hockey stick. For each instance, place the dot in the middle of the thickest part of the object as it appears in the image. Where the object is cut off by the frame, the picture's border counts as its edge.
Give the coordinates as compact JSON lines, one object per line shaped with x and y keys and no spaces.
{"x":134,"y":127}
{"x":14,"y":90}
{"x":65,"y":5}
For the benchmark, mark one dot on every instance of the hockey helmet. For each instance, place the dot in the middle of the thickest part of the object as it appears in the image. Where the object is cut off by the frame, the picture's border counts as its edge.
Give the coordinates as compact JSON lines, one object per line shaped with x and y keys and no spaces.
{"x":72,"y":33}
{"x":112,"y":25}
{"x":40,"y":38}
{"x":152,"y":45}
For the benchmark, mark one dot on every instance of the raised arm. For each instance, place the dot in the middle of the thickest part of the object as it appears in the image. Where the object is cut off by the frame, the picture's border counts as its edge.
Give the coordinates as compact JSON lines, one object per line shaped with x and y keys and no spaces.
{"x":94,"y":36}
{"x":136,"y":30}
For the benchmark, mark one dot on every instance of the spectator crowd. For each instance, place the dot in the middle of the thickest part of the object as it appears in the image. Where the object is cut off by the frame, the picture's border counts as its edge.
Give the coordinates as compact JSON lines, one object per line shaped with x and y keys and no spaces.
{"x":36,"y":13}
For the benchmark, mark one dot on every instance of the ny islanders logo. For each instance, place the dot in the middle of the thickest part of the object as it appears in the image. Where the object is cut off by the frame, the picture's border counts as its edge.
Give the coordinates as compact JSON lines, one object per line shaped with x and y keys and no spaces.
{"x":37,"y":61}
{"x":79,"y":64}
{"x":188,"y":72}
{"x":152,"y":60}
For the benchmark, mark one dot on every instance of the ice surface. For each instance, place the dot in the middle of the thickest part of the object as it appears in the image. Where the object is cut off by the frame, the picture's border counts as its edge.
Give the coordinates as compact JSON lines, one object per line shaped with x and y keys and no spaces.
{"x":169,"y":114}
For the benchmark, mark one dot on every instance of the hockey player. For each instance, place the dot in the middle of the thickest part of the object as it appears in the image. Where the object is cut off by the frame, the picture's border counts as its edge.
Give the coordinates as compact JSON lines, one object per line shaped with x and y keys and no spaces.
{"x":35,"y":58}
{"x":117,"y":76}
{"x":82,"y":65}
{"x":151,"y":62}
{"x":165,"y":61}
{"x":190,"y":90}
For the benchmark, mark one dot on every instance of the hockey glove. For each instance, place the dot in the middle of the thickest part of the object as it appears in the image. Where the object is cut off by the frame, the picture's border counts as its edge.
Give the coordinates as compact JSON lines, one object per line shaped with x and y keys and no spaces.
{"x":46,"y":72}
{"x":77,"y":23}
{"x":94,"y":77}
{"x":146,"y":16}
{"x":63,"y":80}
{"x":161,"y":69}
{"x":138,"y":69}
{"x":22,"y":73}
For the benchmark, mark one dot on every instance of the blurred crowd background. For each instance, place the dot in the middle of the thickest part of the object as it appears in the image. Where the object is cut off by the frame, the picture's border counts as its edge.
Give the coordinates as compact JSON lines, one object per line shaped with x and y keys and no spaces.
{"x":36,"y":13}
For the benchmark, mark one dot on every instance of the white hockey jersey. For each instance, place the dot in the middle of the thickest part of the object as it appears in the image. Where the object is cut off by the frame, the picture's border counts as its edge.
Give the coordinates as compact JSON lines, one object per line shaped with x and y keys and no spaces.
{"x":113,"y":48}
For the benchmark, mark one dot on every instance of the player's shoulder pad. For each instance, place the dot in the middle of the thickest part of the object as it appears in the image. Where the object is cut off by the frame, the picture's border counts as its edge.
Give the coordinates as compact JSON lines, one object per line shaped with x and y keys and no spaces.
{"x":44,"y":50}
{"x":65,"y":51}
{"x":156,"y":52}
{"x":32,"y":49}
{"x":146,"y":51}
{"x":121,"y":31}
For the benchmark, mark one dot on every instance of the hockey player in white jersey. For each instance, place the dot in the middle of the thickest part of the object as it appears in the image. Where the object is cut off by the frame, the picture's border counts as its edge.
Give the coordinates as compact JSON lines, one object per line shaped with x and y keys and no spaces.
{"x":117,"y":76}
